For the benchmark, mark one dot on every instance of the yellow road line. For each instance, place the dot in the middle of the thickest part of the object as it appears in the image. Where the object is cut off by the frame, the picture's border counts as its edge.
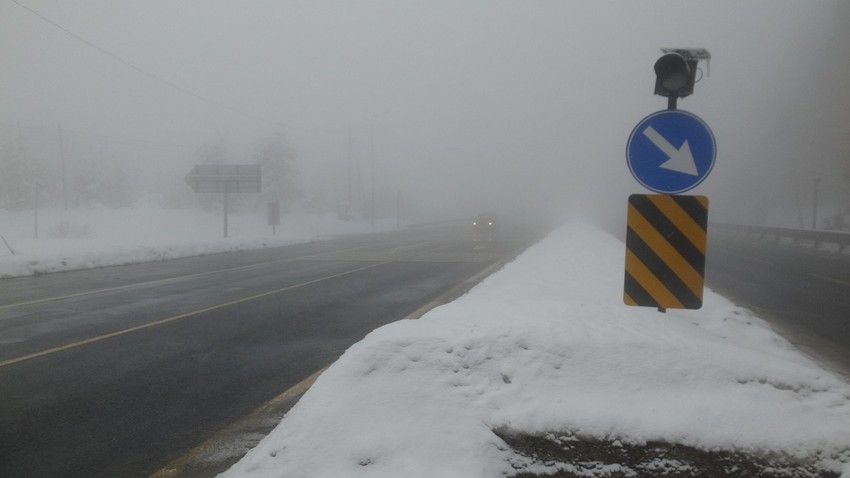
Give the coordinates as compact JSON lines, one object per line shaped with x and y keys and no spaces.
{"x":177,"y":317}
{"x":247,"y":427}
{"x":186,"y":464}
{"x":197,"y":457}
{"x":128,"y":286}
{"x":837,"y":281}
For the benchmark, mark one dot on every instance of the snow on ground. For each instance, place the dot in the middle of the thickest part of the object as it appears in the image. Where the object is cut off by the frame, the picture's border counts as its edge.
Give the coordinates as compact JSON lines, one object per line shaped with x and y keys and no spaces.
{"x":546,"y":345}
{"x":86,"y":238}
{"x":543,"y":345}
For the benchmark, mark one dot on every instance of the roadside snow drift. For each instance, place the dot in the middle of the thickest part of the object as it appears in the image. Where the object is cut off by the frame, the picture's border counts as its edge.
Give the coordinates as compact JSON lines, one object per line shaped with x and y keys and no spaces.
{"x":98,"y":237}
{"x":546,"y":345}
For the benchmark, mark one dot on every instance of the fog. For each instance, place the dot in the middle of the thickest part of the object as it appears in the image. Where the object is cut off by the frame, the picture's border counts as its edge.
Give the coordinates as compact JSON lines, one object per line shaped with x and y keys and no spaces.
{"x":453,"y":107}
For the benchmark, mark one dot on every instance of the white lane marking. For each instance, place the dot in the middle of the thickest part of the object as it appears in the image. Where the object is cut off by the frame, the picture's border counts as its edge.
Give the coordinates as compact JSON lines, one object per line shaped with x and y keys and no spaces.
{"x":177,"y":317}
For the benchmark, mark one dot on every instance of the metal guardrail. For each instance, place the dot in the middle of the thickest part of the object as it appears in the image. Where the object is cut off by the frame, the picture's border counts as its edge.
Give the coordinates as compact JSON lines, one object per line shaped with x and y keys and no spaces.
{"x":803,"y":236}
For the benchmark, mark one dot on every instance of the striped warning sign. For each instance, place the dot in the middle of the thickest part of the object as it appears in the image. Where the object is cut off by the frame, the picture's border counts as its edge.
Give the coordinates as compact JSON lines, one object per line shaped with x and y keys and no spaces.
{"x":665,"y":251}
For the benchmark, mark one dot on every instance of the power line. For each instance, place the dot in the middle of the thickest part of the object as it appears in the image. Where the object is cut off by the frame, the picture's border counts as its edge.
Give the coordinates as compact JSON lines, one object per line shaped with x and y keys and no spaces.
{"x":91,"y":138}
{"x":145,"y":72}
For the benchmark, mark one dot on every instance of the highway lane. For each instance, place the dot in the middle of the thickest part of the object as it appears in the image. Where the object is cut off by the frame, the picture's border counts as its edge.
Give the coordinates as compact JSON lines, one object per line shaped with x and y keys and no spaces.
{"x":116,"y":371}
{"x":802,"y":292}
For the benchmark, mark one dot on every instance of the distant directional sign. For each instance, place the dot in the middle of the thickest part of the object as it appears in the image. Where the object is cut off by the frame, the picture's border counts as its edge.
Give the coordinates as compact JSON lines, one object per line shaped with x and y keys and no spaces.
{"x":665,"y":251}
{"x":671,"y":151}
{"x":225,"y":178}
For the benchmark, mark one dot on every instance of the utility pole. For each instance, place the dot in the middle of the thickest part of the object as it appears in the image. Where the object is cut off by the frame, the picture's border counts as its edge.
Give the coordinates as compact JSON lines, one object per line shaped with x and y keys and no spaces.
{"x":31,"y":176}
{"x":350,"y":199}
{"x":35,"y":207}
{"x":815,"y":203}
{"x":398,"y":209}
{"x":799,"y":202}
{"x":226,"y":190}
{"x":372,"y":165}
{"x":64,"y":171}
{"x":372,"y":171}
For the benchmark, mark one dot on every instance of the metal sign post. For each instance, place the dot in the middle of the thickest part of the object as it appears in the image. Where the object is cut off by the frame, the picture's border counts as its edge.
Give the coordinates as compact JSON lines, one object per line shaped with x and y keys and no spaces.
{"x":225,"y":179}
{"x":669,"y":152}
{"x":274,"y":216}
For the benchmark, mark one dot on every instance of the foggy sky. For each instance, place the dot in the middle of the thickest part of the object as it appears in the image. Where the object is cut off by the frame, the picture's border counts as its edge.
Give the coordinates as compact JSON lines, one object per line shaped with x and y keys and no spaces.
{"x":521,"y":108}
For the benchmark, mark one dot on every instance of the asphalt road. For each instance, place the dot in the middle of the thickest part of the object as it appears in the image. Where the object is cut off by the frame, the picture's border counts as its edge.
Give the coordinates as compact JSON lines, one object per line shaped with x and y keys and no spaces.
{"x":116,"y":371}
{"x":803,"y":292}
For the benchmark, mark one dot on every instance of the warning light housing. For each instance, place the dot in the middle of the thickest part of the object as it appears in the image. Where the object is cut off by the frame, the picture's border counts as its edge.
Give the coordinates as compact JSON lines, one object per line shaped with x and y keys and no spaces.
{"x":676,"y":71}
{"x":674,"y":76}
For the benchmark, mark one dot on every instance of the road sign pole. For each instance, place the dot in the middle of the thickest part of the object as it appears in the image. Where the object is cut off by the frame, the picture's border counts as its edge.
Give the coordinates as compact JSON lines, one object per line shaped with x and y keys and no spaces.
{"x":218,"y":178}
{"x":273,"y":210}
{"x":669,"y":152}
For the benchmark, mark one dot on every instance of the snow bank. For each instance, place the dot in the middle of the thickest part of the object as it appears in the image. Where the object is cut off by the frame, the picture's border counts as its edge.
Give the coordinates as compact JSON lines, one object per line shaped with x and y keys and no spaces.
{"x":546,"y":345}
{"x":86,"y":238}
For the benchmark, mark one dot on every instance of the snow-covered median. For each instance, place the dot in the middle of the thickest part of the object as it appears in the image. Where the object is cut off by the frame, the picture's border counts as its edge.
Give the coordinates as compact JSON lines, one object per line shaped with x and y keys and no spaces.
{"x":546,"y":346}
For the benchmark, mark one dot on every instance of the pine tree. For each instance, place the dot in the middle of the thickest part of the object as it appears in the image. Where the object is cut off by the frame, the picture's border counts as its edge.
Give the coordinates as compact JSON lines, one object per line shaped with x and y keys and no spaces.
{"x":213,"y":153}
{"x":277,"y":160}
{"x":20,"y":175}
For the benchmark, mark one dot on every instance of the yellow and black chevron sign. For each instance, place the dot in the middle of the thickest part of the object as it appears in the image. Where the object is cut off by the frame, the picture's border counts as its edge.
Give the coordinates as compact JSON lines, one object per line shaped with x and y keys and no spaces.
{"x":665,"y":251}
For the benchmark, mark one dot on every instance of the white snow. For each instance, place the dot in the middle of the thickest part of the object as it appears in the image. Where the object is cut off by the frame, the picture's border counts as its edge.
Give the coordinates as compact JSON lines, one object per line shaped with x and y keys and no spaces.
{"x":546,"y":345}
{"x":97,"y":237}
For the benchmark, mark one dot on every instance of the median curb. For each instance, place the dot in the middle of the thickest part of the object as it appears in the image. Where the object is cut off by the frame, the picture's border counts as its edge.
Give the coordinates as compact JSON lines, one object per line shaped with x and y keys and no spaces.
{"x":228,"y":446}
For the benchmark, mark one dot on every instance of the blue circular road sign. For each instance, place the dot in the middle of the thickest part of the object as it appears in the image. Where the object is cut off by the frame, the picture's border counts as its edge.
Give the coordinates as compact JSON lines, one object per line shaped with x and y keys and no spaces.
{"x":671,"y":151}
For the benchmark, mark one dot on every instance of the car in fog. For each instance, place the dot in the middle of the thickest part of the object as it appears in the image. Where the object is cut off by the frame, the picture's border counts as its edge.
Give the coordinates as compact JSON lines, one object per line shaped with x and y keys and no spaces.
{"x":485,"y":227}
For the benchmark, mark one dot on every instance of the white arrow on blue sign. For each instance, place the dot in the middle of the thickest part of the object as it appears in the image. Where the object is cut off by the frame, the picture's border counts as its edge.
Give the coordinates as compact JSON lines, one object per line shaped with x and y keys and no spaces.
{"x":671,"y":151}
